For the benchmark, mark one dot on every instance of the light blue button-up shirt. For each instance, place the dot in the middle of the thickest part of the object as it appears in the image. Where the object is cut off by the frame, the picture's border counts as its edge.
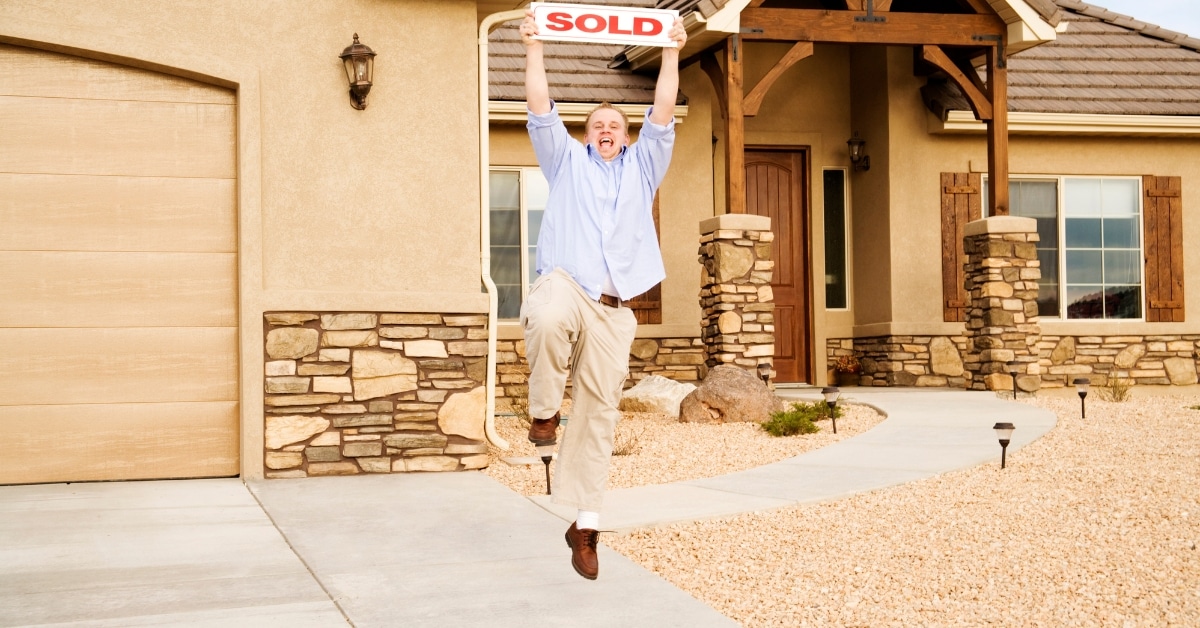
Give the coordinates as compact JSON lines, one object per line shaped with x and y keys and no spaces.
{"x":599,"y":218}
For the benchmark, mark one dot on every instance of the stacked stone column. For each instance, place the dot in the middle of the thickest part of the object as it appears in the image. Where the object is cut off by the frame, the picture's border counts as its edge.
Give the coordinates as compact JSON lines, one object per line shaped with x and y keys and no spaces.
{"x":1001,"y":278}
{"x":738,"y":321}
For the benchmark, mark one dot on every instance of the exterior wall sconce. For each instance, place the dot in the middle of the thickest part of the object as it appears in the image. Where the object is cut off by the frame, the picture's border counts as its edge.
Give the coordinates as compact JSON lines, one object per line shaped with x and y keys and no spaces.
{"x":860,"y":159}
{"x":360,"y":64}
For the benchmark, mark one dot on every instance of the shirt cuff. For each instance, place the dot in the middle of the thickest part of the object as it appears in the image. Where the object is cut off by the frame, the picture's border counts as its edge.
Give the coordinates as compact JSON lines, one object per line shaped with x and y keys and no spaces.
{"x":544,"y":119}
{"x":656,"y":131}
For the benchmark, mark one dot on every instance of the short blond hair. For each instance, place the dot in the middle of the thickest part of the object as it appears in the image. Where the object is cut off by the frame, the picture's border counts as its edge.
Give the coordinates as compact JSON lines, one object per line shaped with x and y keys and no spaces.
{"x":606,"y":105}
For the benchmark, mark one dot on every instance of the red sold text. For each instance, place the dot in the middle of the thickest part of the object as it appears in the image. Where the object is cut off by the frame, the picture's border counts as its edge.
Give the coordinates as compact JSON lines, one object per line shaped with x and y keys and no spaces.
{"x":593,"y":23}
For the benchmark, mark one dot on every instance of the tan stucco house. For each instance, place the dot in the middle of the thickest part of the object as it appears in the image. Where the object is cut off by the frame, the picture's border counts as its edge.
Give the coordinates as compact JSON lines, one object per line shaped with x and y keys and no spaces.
{"x":211,"y":264}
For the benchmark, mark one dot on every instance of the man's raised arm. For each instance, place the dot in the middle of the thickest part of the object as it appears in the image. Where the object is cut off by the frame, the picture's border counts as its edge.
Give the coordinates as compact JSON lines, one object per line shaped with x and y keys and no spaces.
{"x":537,"y":90}
{"x":667,"y":88}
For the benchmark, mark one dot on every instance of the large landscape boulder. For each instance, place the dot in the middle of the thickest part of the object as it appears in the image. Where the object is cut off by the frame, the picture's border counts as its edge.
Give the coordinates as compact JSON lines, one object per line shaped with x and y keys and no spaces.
{"x":729,"y":394}
{"x":656,"y":394}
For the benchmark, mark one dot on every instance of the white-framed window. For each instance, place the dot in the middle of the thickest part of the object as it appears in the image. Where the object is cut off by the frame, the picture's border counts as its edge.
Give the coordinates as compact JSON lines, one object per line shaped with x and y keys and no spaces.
{"x":837,"y":220}
{"x":1090,"y":249}
{"x":517,"y":201}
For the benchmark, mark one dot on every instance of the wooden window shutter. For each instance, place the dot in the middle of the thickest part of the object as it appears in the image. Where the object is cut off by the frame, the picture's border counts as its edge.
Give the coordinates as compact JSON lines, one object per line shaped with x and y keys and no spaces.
{"x":1162,"y":209}
{"x":960,"y":204}
{"x":647,"y":307}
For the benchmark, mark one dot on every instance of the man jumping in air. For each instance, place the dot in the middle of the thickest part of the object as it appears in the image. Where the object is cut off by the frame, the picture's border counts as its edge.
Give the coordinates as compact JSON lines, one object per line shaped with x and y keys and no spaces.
{"x":597,"y":247}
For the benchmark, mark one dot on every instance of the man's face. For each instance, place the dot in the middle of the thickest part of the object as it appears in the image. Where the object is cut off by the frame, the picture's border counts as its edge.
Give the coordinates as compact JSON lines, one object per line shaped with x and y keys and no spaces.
{"x":606,"y":132}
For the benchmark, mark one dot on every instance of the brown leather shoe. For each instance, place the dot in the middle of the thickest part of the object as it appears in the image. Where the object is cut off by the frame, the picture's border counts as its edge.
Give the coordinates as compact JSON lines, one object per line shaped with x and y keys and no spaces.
{"x":583,"y":551}
{"x":541,"y":431}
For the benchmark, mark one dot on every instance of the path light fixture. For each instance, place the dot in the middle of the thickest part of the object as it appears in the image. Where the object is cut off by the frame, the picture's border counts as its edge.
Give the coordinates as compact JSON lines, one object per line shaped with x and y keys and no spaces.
{"x":1004,"y":433}
{"x":360,"y":65}
{"x":764,"y":373}
{"x":858,"y":157}
{"x":831,"y":394}
{"x":546,"y":453}
{"x":1081,"y":387}
{"x":1013,"y":368}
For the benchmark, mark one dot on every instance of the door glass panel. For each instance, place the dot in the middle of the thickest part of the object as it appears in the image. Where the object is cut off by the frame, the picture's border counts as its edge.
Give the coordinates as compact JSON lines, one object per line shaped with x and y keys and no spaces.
{"x":835,"y":239}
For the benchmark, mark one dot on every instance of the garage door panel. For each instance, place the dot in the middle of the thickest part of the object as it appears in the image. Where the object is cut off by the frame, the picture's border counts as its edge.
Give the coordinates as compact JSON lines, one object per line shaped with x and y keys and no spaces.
{"x":70,"y":366}
{"x":46,"y":212}
{"x":117,"y":441}
{"x":55,"y":289}
{"x":47,"y":74}
{"x":105,"y":137}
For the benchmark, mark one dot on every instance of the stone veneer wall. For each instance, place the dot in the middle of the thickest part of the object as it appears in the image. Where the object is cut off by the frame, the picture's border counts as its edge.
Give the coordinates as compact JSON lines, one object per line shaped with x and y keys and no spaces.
{"x":1001,"y":277}
{"x":935,"y":360}
{"x":680,"y":359}
{"x":737,"y":324}
{"x":350,"y":393}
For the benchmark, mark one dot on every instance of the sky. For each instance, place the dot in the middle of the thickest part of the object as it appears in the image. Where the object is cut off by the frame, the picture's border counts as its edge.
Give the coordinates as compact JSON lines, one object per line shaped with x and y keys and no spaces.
{"x":1177,"y":15}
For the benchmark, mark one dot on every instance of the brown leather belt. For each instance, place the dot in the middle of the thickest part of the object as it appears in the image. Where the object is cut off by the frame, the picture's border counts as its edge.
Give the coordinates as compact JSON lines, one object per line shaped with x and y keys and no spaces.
{"x":609,"y":300}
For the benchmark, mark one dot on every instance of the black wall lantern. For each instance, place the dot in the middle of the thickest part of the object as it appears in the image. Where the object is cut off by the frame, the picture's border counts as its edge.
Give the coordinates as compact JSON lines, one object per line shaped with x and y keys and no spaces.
{"x":360,"y":63}
{"x":857,"y":157}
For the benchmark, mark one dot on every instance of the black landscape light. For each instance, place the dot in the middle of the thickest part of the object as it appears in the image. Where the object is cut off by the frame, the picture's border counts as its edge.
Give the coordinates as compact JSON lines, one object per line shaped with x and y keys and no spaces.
{"x":1004,"y":433}
{"x":546,"y":453}
{"x":764,"y":373}
{"x":1081,"y":387}
{"x":1013,"y":367}
{"x":831,"y":394}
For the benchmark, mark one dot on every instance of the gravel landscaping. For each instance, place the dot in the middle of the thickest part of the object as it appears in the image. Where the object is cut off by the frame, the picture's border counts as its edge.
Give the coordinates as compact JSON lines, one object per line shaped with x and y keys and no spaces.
{"x":1095,"y":524}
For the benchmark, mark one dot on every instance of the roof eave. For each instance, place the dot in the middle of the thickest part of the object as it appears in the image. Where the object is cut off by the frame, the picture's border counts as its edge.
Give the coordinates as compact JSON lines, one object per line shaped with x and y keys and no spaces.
{"x":1026,"y":26}
{"x":1078,"y":124}
{"x":702,"y":33}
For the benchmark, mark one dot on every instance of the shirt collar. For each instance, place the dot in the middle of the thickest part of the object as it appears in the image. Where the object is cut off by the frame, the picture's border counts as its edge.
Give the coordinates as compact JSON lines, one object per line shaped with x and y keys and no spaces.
{"x":595,"y":154}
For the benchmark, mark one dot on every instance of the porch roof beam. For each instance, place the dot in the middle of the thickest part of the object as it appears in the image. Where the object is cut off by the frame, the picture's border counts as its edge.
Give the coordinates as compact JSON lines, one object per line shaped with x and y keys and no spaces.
{"x":901,"y":29}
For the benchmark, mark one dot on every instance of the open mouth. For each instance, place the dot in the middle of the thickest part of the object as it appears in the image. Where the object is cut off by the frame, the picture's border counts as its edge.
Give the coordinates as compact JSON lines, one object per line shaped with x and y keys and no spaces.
{"x":606,"y":141}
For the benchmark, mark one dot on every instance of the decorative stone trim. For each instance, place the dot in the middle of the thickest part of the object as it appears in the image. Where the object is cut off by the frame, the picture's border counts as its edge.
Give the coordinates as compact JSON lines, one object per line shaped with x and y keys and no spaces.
{"x":738,"y":311}
{"x":1002,"y":273}
{"x":1139,"y":360}
{"x":936,"y":360}
{"x":680,"y":359}
{"x":350,"y":393}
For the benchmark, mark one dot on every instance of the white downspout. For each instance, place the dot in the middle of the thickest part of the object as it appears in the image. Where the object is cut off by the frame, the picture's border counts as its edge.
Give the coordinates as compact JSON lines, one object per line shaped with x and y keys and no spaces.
{"x":485,"y":230}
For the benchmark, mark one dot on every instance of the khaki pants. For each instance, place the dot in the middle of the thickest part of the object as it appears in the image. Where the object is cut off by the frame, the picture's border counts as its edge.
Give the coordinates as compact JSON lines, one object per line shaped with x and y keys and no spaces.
{"x":566,"y":332}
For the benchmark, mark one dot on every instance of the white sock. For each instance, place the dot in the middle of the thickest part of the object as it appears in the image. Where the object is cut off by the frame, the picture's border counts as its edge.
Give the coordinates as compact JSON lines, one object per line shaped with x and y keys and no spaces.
{"x":587,"y":520}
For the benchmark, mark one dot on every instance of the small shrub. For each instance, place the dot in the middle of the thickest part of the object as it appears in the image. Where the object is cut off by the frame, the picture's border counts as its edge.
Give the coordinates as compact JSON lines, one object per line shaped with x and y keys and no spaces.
{"x":1116,"y":390}
{"x":627,"y":442}
{"x":519,"y":406}
{"x":799,"y":419}
{"x":848,"y":364}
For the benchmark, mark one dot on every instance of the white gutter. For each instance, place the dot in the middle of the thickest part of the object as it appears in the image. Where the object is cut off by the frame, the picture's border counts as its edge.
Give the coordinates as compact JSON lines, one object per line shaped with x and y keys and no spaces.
{"x":1026,"y":123}
{"x":485,"y":229}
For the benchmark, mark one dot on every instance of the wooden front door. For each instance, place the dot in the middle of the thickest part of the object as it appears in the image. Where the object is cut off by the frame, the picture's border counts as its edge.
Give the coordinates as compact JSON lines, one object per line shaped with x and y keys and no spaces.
{"x":777,"y":187}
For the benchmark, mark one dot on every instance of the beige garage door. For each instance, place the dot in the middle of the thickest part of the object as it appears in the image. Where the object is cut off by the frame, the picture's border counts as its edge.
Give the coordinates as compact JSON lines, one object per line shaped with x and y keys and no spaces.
{"x":118,"y":270}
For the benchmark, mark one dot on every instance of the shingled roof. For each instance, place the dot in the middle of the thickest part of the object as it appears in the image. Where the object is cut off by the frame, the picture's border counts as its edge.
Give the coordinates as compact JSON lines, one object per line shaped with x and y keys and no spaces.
{"x":1104,"y":63}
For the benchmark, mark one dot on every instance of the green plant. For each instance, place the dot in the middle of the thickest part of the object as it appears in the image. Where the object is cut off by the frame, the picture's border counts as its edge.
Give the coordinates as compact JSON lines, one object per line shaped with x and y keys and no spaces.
{"x":1116,"y":389}
{"x":800,"y":419}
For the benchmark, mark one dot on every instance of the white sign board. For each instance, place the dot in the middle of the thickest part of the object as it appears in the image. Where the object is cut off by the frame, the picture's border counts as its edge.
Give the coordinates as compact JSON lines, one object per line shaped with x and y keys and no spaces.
{"x":604,"y":24}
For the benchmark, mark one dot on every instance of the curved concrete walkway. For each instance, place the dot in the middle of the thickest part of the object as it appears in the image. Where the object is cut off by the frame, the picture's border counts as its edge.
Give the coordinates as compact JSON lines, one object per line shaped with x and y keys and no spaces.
{"x":926,"y":432}
{"x":438,"y":549}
